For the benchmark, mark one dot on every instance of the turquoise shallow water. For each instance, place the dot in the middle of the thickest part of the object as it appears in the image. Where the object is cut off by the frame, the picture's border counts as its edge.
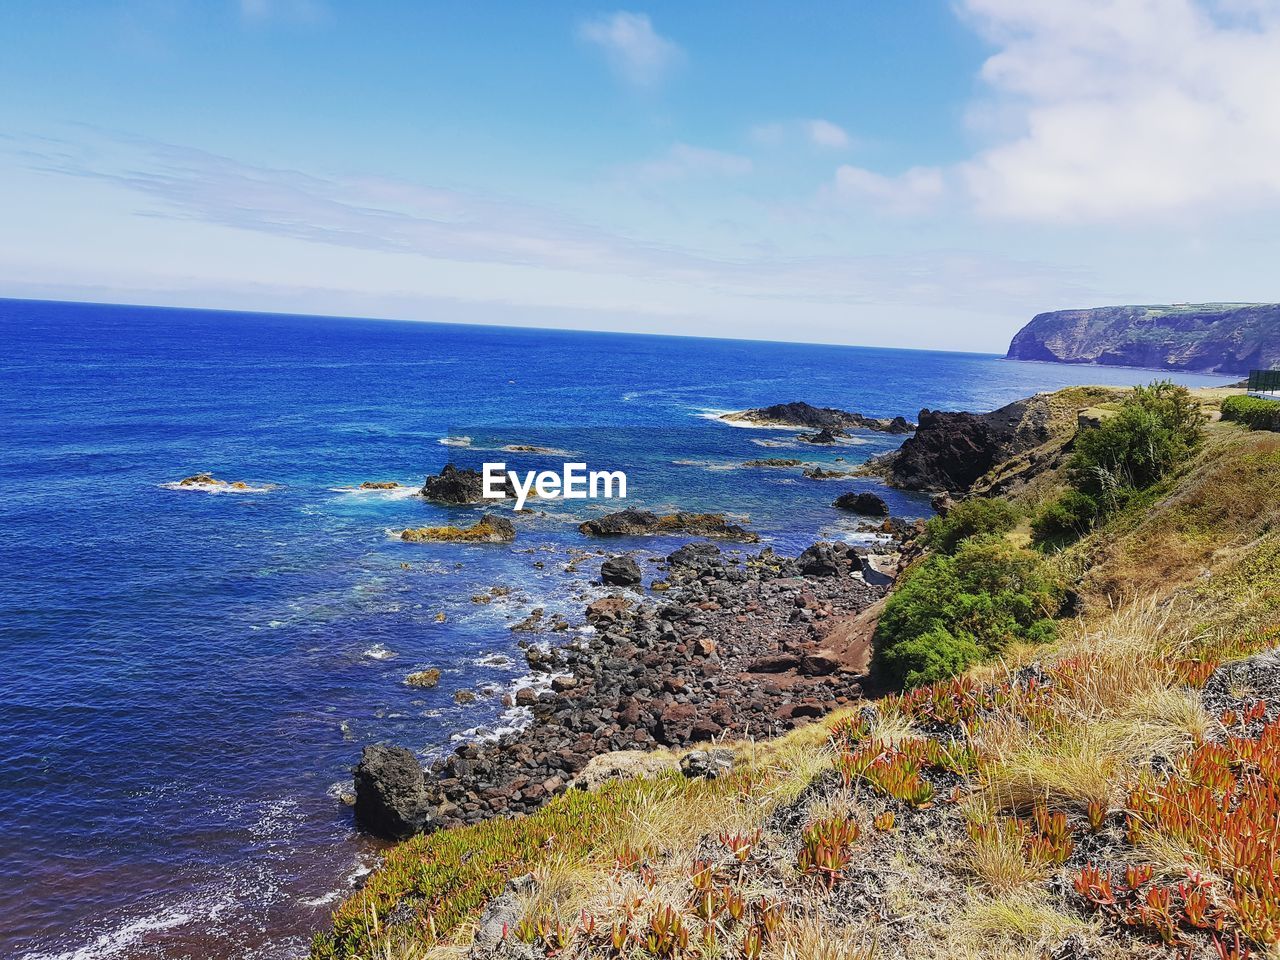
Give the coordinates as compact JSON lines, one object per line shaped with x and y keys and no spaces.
{"x":188,"y":676}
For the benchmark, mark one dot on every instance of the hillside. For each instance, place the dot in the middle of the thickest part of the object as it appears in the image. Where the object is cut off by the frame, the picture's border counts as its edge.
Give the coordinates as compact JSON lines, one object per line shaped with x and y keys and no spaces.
{"x":1226,"y":338}
{"x":1108,"y":792}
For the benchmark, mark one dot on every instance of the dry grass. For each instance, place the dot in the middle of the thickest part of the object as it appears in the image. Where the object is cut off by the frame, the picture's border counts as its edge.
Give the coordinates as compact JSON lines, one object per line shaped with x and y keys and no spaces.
{"x":813,"y":938}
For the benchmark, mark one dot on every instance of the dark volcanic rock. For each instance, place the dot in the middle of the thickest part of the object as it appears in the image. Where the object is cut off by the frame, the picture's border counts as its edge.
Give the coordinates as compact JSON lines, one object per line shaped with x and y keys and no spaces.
{"x":1213,"y":338}
{"x":694,"y":554}
{"x":797,"y":414}
{"x":620,"y":572}
{"x":953,"y":451}
{"x":643,"y":522}
{"x":457,"y":486}
{"x":676,"y":671}
{"x":391,"y":795}
{"x":828,"y":560}
{"x":867,"y":504}
{"x":823,"y":436}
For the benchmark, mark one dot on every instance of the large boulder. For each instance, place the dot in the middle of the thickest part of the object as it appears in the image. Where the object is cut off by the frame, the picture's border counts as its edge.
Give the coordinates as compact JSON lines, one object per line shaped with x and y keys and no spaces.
{"x":825,"y":559}
{"x":620,"y":572}
{"x":391,"y":793}
{"x":866,"y":504}
{"x":458,"y":486}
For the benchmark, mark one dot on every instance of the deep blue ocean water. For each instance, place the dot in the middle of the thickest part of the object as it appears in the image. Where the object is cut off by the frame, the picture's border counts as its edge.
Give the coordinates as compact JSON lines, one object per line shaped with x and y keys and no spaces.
{"x":187,"y":677}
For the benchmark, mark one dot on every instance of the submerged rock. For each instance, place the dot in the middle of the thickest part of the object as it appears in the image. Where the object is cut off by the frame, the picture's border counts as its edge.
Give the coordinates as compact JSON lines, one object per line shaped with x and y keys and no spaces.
{"x":774,"y":462}
{"x":620,"y":572}
{"x":643,"y":523}
{"x":866,"y":504}
{"x":823,"y":436}
{"x":490,"y":528}
{"x":209,"y":480}
{"x":391,"y":794}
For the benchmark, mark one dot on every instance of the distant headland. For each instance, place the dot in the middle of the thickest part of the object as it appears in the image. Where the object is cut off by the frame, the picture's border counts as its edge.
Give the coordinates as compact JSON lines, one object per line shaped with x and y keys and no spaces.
{"x":1226,"y":338}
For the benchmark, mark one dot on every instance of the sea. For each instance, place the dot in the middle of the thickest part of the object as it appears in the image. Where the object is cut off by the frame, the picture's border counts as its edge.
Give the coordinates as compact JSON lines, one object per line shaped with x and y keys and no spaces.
{"x":188,"y":674}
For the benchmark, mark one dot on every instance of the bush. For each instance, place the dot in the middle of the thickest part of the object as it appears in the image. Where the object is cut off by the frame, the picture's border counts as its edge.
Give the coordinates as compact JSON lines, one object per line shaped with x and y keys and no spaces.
{"x":1068,"y":518}
{"x":953,"y":611}
{"x":1156,"y":428}
{"x":1253,"y":412}
{"x":974,"y":517}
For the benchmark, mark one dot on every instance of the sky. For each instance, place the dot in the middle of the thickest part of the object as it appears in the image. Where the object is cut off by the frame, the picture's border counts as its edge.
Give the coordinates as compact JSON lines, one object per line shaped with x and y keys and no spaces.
{"x":915,"y":174}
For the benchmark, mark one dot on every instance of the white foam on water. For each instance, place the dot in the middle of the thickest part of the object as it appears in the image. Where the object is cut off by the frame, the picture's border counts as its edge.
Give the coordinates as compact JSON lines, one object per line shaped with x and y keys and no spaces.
{"x":402,"y":492}
{"x":379,"y":652}
{"x":454,"y":441}
{"x":221,"y":486}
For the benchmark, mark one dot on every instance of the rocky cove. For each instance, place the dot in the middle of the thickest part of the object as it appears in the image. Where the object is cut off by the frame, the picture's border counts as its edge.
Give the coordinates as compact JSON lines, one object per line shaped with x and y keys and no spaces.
{"x":734,"y":644}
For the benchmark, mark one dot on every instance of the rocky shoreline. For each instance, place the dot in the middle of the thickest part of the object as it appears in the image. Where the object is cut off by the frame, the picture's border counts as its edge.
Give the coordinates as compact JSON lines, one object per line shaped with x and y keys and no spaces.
{"x":731,"y":645}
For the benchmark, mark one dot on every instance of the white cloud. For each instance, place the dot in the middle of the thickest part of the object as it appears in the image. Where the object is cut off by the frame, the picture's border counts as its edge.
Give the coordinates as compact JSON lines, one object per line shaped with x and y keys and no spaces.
{"x":824,"y":133}
{"x":637,"y":52}
{"x":1128,"y":108}
{"x":910,"y":193}
{"x":683,"y":161}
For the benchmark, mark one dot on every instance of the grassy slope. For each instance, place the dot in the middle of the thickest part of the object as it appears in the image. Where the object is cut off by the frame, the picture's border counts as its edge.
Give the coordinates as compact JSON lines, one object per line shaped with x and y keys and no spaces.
{"x":1177,"y":584}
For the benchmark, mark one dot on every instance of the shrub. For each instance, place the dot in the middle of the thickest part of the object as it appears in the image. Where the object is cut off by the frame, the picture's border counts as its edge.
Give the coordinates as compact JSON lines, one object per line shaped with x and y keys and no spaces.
{"x":1253,"y":412}
{"x":974,"y":517}
{"x":1156,"y":428}
{"x":1068,"y":518}
{"x":953,"y":611}
{"x":932,"y":656}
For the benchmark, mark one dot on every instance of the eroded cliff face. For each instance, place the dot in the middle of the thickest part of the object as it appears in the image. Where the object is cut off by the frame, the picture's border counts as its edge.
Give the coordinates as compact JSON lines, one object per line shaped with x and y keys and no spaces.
{"x":1211,"y":338}
{"x":992,"y":452}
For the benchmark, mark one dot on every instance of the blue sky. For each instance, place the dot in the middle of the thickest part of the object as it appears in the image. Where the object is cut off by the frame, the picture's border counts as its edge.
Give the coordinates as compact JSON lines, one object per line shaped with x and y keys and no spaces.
{"x":918,"y":174}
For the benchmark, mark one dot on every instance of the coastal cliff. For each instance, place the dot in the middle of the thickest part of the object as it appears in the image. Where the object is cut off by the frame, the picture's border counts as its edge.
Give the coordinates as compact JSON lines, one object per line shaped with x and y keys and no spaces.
{"x":1226,"y":338}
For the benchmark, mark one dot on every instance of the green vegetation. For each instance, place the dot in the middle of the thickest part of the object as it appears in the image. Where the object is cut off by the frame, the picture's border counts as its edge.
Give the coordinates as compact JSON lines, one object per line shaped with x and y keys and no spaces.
{"x":1253,"y":412}
{"x":954,"y":611}
{"x":1155,"y":429}
{"x":1153,"y":432}
{"x":975,"y":517}
{"x":1066,"y":519}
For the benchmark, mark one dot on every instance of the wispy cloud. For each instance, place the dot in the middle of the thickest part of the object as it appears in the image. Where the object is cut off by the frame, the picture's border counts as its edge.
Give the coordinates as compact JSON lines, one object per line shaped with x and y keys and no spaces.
{"x":824,"y":133}
{"x":911,"y":193}
{"x":683,"y":161}
{"x":815,"y":132}
{"x":394,"y":216}
{"x":638,"y":54}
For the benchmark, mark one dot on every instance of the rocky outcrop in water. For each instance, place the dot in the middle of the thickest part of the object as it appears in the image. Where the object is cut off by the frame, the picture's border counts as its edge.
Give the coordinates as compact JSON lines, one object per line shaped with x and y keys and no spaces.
{"x":391,"y":794}
{"x":490,"y":528}
{"x":797,"y":414}
{"x":865,"y":504}
{"x":1227,"y":338}
{"x":639,"y":523}
{"x":455,"y":485}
